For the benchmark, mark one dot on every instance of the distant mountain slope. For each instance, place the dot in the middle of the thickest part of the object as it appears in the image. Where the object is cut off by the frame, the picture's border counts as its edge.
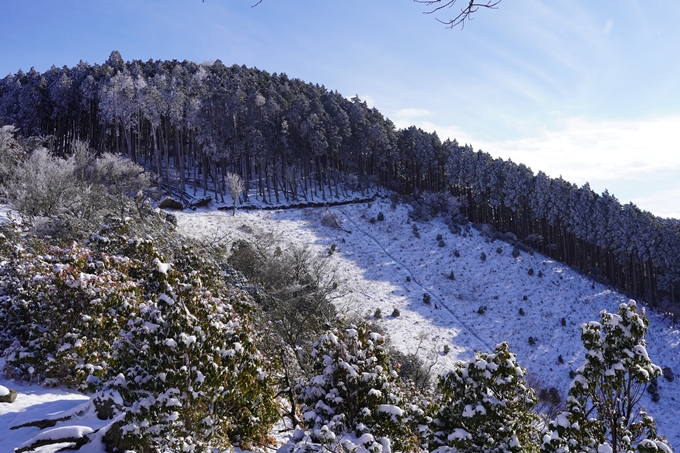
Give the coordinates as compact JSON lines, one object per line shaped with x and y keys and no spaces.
{"x":294,"y":141}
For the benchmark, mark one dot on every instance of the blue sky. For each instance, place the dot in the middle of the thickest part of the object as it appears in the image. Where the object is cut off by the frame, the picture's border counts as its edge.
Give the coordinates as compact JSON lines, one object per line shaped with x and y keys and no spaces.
{"x":589,"y":90}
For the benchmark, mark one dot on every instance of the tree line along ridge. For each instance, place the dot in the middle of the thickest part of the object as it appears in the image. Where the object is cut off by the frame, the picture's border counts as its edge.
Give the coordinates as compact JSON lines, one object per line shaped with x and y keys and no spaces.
{"x":193,"y":124}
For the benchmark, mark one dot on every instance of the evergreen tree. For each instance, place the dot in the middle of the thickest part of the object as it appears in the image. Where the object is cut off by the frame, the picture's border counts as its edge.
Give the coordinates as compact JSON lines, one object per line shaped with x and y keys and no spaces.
{"x":486,"y":406}
{"x":603,"y":414}
{"x":355,"y":398}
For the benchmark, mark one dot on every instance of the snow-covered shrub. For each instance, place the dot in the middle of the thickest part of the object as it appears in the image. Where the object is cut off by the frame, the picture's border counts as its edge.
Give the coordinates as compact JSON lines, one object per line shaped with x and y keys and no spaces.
{"x":121,"y":177}
{"x":172,"y":338}
{"x":189,"y":372}
{"x":354,"y":398}
{"x":71,"y":195}
{"x":412,"y":368}
{"x":602,"y":407}
{"x":63,"y":309}
{"x":486,"y":406}
{"x":43,"y":185}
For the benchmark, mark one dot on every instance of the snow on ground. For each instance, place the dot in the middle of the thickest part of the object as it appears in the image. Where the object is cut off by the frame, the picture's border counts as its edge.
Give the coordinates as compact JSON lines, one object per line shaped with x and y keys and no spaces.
{"x":376,"y":259}
{"x":37,"y":403}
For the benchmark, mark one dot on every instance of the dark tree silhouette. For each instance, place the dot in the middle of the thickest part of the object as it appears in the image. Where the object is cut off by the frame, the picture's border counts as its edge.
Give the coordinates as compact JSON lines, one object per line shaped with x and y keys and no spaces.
{"x":466,"y":12}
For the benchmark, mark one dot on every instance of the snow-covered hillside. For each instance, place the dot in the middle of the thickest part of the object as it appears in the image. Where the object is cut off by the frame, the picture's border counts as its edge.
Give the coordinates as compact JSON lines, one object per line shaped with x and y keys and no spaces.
{"x":385,"y":266}
{"x":378,"y":259}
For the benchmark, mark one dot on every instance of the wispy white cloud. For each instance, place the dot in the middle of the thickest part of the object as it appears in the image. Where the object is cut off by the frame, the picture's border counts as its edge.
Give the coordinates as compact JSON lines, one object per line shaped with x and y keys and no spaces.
{"x":369,"y":100}
{"x":410,"y":113}
{"x":664,"y":203}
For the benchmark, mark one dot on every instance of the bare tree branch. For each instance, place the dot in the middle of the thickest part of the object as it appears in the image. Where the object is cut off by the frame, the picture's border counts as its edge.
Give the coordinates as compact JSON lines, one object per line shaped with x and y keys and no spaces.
{"x":465,"y":13}
{"x":437,"y":5}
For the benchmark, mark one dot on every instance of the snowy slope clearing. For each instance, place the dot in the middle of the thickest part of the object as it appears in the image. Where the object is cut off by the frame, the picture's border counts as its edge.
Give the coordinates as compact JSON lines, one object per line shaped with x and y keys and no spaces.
{"x":376,"y":260}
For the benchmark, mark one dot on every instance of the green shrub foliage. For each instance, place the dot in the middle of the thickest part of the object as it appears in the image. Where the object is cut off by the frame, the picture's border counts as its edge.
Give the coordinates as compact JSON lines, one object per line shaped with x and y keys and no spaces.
{"x":486,"y":406}
{"x":63,"y":309}
{"x":190,"y":371}
{"x":171,"y":338}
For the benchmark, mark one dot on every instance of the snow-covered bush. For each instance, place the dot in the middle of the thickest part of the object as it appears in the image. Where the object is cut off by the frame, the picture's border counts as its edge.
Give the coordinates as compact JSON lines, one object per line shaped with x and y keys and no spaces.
{"x":63,"y":309}
{"x":173,"y":339}
{"x":43,"y":185}
{"x":355,"y":398}
{"x":486,"y":406}
{"x":72,"y":193}
{"x":602,"y":407}
{"x":189,"y":372}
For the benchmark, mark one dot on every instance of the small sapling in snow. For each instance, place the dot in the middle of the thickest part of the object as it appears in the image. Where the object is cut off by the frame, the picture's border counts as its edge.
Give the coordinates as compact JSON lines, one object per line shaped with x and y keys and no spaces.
{"x":563,"y":321}
{"x":668,"y":374}
{"x":481,"y":310}
{"x":377,"y":314}
{"x":532,"y":341}
{"x":521,"y":312}
{"x":408,"y":278}
{"x":439,"y":237}
{"x":456,"y":253}
{"x":396,"y":313}
{"x":531,"y":271}
{"x":451,"y":276}
{"x":499,"y":250}
{"x":447,"y":349}
{"x":427,"y":299}
{"x":372,"y":220}
{"x":441,"y":243}
{"x":483,"y":256}
{"x":381,"y":216}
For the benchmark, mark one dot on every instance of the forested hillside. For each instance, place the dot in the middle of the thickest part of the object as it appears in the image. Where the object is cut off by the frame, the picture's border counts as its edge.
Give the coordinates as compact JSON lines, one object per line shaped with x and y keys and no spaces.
{"x":290,"y":140}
